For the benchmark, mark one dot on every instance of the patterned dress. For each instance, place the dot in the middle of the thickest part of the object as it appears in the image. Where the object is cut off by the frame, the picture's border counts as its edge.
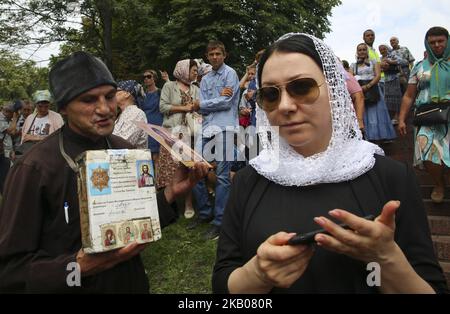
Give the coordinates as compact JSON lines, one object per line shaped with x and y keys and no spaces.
{"x":167,"y":165}
{"x":432,"y":142}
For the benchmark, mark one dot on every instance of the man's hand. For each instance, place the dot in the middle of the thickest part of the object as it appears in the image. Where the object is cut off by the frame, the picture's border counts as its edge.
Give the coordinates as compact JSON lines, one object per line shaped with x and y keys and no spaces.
{"x":196,"y":105}
{"x":227,"y":91}
{"x":15,"y":116}
{"x":184,"y":180}
{"x":91,"y":264}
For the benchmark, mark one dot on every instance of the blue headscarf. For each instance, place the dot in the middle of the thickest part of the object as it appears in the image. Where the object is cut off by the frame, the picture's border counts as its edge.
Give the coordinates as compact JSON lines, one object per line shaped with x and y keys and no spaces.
{"x":135,"y":89}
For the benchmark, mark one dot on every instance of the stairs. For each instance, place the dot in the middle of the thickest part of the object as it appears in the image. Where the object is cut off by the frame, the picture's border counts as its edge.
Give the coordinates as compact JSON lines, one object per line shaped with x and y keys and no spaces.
{"x":438,"y":214}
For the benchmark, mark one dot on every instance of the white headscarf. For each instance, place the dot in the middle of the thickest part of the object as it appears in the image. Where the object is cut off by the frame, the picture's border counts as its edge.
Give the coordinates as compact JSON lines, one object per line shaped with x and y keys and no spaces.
{"x":347,"y":157}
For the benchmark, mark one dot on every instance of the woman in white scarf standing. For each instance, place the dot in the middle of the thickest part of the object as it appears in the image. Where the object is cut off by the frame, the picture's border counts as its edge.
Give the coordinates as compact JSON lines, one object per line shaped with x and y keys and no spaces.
{"x":314,"y":162}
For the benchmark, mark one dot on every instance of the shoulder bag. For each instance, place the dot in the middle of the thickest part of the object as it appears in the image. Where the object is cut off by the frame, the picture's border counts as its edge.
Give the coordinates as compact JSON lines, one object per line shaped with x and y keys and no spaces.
{"x":431,"y":114}
{"x":372,"y":95}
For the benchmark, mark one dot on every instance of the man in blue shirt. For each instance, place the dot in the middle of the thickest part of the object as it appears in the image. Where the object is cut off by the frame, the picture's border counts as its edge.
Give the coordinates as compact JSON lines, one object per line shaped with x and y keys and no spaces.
{"x":219,"y":105}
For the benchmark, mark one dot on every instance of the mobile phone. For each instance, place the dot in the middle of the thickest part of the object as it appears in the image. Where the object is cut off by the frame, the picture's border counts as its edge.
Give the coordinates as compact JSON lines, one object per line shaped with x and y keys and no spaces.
{"x":308,"y":238}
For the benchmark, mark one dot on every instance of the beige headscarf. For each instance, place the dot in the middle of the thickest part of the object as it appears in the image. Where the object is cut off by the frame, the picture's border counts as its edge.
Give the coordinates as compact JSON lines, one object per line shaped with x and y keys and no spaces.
{"x":181,"y":71}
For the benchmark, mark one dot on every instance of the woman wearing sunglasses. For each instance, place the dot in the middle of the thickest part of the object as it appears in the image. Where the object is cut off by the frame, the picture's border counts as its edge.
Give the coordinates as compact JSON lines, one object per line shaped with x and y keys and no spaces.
{"x":316,"y":171}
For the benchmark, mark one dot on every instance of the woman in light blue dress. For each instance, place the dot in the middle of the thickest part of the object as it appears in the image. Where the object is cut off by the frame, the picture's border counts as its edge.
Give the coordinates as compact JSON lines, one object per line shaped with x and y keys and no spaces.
{"x":429,"y":83}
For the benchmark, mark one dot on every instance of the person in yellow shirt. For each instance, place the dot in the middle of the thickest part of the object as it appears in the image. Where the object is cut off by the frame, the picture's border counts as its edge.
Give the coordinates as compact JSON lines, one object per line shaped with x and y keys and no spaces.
{"x":369,"y":39}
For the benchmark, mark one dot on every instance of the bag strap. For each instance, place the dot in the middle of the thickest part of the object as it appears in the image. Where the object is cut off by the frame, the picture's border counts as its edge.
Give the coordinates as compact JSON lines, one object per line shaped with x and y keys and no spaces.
{"x":68,"y":159}
{"x":31,"y":125}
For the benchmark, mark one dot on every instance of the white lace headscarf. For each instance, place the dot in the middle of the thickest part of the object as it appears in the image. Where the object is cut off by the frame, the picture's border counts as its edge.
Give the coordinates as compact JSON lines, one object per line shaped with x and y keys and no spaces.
{"x":347,"y":157}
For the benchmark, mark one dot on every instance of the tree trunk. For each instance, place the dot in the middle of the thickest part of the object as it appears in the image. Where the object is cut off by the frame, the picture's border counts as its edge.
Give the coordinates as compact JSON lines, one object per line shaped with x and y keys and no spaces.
{"x":105,"y":12}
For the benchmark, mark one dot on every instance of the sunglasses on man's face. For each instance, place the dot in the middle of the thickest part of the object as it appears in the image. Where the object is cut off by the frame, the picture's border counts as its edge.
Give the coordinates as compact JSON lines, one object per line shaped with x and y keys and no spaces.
{"x":304,"y":90}
{"x":148,"y":76}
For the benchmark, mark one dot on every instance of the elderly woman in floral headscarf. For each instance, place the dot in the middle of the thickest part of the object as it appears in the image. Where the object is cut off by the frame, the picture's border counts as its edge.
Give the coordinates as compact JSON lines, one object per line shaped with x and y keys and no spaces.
{"x":129,"y":94}
{"x":177,"y":99}
{"x":429,"y":83}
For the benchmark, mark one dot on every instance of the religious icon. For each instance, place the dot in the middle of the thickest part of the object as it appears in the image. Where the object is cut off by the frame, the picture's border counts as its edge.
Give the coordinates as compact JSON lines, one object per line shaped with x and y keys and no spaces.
{"x":146,"y":233}
{"x":145,"y":178}
{"x":100,"y":178}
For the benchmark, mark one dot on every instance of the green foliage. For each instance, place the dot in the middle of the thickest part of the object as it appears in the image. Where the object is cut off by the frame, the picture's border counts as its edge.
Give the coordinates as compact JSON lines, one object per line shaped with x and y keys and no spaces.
{"x":18,"y":78}
{"x":35,"y":22}
{"x":132,"y":35}
{"x":158,"y":33}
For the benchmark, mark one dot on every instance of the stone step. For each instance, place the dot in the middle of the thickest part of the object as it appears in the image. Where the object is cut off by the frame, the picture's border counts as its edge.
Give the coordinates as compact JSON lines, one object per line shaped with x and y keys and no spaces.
{"x":402,"y":149}
{"x":442,"y":247}
{"x":426,"y":190}
{"x":433,"y":209}
{"x":439,"y":225}
{"x":446,"y":269}
{"x":423,"y":178}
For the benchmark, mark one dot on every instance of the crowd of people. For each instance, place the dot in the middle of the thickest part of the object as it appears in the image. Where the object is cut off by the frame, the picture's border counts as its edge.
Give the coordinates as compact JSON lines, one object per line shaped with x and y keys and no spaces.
{"x":320,"y":121}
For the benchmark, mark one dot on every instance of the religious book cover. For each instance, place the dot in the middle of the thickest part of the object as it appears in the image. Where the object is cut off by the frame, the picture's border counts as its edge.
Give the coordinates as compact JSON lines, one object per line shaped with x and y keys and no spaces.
{"x":176,"y":146}
{"x":117,"y":199}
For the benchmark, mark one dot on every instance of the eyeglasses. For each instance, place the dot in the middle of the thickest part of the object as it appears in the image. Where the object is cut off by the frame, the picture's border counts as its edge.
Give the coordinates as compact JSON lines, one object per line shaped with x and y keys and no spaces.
{"x":148,"y":76}
{"x":304,"y":90}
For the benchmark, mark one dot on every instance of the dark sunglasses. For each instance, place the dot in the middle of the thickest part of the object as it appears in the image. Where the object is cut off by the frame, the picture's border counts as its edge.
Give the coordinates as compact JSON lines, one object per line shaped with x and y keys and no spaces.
{"x":148,"y":76}
{"x":304,"y":90}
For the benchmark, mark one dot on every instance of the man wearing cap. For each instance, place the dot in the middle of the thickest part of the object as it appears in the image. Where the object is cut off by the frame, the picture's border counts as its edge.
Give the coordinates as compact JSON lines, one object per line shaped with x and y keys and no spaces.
{"x":43,"y":122}
{"x":39,"y":243}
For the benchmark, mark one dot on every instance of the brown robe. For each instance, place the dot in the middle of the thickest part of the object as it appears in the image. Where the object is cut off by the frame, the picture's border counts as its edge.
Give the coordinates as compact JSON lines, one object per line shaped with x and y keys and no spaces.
{"x":36,"y":243}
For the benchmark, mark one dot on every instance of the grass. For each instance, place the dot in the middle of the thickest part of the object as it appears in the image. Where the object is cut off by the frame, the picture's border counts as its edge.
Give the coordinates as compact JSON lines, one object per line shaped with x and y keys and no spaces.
{"x":181,"y":262}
